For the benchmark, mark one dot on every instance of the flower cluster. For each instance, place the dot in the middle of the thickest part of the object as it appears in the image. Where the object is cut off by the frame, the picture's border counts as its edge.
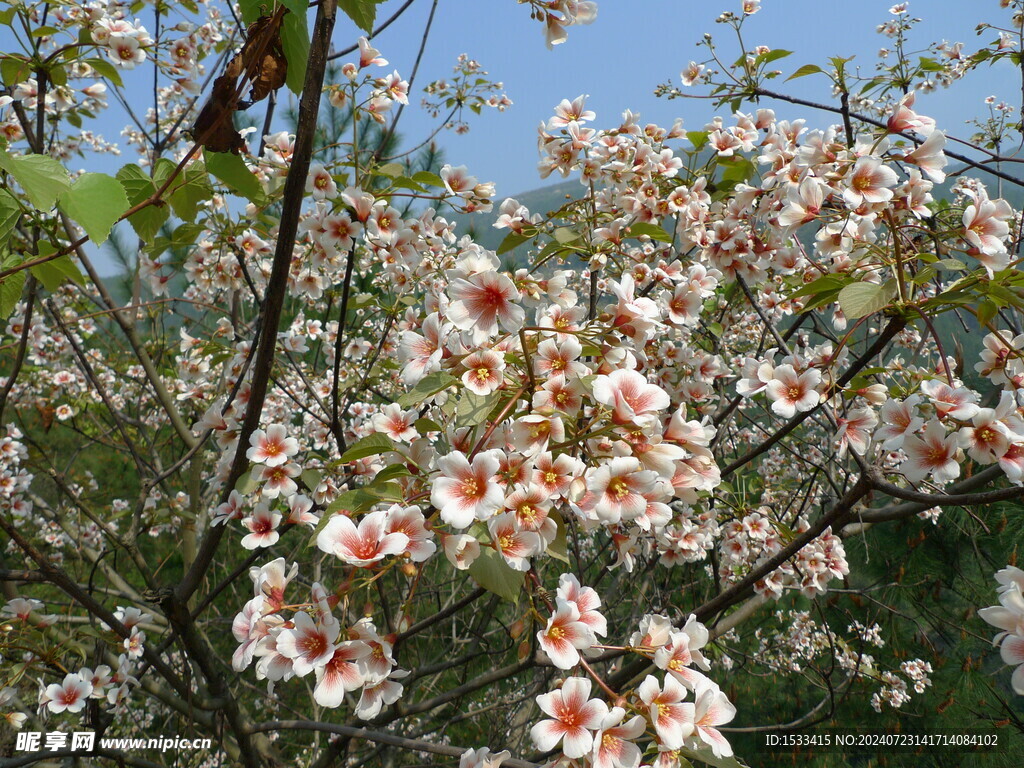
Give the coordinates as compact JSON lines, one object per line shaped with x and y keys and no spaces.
{"x":1008,"y":617}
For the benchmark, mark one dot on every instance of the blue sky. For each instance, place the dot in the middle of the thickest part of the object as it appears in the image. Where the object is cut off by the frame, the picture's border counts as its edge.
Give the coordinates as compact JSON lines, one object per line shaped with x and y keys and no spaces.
{"x":636,"y":44}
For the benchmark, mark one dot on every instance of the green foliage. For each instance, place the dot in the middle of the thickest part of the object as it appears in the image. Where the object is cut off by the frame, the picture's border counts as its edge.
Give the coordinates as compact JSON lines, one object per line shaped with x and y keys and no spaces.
{"x":362,"y":12}
{"x":43,"y":178}
{"x":96,"y":202}
{"x":232,"y":170}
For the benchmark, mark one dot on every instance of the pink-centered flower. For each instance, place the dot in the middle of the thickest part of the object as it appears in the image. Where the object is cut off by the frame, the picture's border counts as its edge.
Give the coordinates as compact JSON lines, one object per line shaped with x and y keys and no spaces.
{"x":483,"y":302}
{"x":613,"y":743}
{"x":272,"y":447}
{"x":586,"y":600}
{"x":615,"y":490}
{"x":711,"y":709}
{"x":565,"y":636}
{"x":631,"y":397}
{"x":309,"y":644}
{"x":395,"y":423}
{"x":672,"y":717}
{"x":484,"y":371}
{"x":466,"y":491}
{"x":67,"y":696}
{"x":515,"y":545}
{"x":340,"y":674}
{"x":869,"y":182}
{"x":364,"y":545}
{"x":932,"y":453}
{"x":573,"y":716}
{"x":898,"y":420}
{"x":791,"y":392}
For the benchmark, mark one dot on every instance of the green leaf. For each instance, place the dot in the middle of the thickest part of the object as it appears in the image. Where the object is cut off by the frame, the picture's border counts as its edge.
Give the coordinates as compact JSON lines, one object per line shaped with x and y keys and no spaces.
{"x":362,"y":12}
{"x":472,"y":409}
{"x":42,"y":177}
{"x":232,"y":170}
{"x":512,"y":241}
{"x":96,"y":202}
{"x":426,"y":177}
{"x":862,"y":299}
{"x":107,"y":70}
{"x":392,"y":471}
{"x":10,"y":287}
{"x":10,"y":212}
{"x":806,"y":69}
{"x":706,"y":756}
{"x":653,"y":231}
{"x":987,"y":309}
{"x":821,"y":284}
{"x":371,"y":445}
{"x":427,"y":387}
{"x":423,"y":426}
{"x":190,"y":190}
{"x":53,"y":274}
{"x":698,"y":138}
{"x":492,"y":573}
{"x":14,"y":70}
{"x":391,"y":170}
{"x":566,"y":235}
{"x":139,"y":187}
{"x":295,"y":44}
{"x":775,"y":55}
{"x":559,"y":548}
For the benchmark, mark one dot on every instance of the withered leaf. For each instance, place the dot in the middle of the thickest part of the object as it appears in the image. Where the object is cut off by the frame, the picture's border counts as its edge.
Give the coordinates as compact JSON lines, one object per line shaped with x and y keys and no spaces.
{"x":262,"y":61}
{"x":214,"y":128}
{"x":263,"y":56}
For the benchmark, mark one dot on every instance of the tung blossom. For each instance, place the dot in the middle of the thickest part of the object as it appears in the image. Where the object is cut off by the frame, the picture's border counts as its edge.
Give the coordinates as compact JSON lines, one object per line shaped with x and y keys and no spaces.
{"x":466,"y":491}
{"x":574,"y":715}
{"x":791,"y":392}
{"x":364,"y":545}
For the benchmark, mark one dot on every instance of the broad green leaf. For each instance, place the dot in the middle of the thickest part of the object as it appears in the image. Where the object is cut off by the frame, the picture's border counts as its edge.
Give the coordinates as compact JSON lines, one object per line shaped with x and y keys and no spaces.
{"x":190,"y":190}
{"x":95,"y":202}
{"x":737,"y":169}
{"x":423,"y":426}
{"x":706,"y":756}
{"x":53,"y":274}
{"x":472,"y":409}
{"x":775,"y":55}
{"x":566,"y":235}
{"x":653,"y":231}
{"x":295,"y":44}
{"x":10,"y":287}
{"x":10,"y":212}
{"x":806,"y":69}
{"x":512,"y":240}
{"x":362,"y":12}
{"x":426,"y":177}
{"x":492,"y":573}
{"x":559,"y":548}
{"x":392,"y":471}
{"x":697,"y":138}
{"x":825,"y":283}
{"x":427,"y":387}
{"x":371,"y":445}
{"x":42,"y":177}
{"x":232,"y":170}
{"x":104,"y":68}
{"x":861,"y":299}
{"x":391,"y":170}
{"x":139,"y":187}
{"x":14,"y":70}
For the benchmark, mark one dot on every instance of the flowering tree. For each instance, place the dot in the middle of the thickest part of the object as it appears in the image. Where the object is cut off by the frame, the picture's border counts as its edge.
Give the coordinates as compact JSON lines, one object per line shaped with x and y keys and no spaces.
{"x":572,"y":507}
